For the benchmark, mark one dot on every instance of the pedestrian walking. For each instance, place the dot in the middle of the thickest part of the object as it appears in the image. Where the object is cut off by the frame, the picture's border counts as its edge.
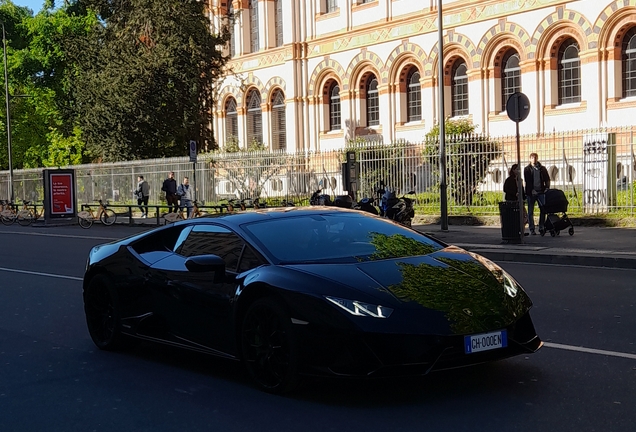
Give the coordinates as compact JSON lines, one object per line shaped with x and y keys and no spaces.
{"x":170,"y":188}
{"x":143,"y":193}
{"x":184,"y":192}
{"x":537,"y":182}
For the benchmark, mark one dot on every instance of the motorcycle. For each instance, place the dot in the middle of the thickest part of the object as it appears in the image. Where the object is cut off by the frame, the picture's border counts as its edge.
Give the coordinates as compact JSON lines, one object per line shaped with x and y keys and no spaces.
{"x":399,"y":209}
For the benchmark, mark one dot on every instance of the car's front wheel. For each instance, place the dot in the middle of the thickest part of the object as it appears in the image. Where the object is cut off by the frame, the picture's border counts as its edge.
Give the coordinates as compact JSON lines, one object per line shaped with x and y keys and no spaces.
{"x":269,"y":346}
{"x":103,"y":314}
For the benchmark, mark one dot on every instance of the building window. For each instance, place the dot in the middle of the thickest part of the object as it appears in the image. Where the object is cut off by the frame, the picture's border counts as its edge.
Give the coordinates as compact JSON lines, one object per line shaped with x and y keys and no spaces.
{"x":414,"y":96}
{"x":254,"y":119}
{"x":332,"y":5}
{"x":230,"y":12}
{"x":231,"y":121}
{"x":510,"y":77}
{"x":569,"y":72}
{"x":373,"y":101}
{"x":459,"y":88}
{"x":629,"y":63}
{"x":253,"y":10}
{"x":278,"y":22}
{"x":279,"y":137}
{"x":335,"y":117}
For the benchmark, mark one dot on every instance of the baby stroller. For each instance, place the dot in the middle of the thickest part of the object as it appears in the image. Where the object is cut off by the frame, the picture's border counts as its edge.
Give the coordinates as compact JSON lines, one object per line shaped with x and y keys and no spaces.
{"x":556,"y":202}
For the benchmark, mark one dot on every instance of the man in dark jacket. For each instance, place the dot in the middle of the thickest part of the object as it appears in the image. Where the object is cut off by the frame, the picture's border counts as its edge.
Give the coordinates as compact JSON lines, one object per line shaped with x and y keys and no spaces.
{"x":537,"y":181}
{"x":170,"y":188}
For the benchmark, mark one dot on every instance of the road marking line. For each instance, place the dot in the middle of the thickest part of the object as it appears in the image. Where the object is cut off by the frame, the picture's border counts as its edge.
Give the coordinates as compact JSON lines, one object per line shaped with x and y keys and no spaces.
{"x":589,"y":350}
{"x":60,"y":235}
{"x":41,"y":274}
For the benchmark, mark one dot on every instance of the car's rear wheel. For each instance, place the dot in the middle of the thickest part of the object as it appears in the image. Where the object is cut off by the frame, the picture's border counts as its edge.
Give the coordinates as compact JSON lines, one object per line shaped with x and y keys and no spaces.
{"x":103,"y":314}
{"x":269,"y":346}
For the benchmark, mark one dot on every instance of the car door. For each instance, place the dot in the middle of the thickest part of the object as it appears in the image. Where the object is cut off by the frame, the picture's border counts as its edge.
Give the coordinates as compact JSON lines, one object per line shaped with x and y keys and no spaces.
{"x":198,"y":304}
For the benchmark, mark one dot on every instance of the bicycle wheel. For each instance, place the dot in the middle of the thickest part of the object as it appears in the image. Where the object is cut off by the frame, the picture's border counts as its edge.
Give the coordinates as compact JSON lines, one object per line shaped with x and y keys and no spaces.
{"x":25,"y":218}
{"x":8,"y":219}
{"x":85,"y":222}
{"x":108,"y":217}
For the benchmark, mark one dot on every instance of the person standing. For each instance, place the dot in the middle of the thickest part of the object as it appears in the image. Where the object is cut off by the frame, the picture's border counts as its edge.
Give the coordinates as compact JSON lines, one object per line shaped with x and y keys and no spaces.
{"x":170,"y":188}
{"x":511,"y":189}
{"x":184,"y":192}
{"x":537,"y":182}
{"x":143,"y":193}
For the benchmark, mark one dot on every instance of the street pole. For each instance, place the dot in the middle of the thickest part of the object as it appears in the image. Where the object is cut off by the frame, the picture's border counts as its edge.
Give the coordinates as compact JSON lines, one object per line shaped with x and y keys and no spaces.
{"x":6,"y":93}
{"x":442,"y":126}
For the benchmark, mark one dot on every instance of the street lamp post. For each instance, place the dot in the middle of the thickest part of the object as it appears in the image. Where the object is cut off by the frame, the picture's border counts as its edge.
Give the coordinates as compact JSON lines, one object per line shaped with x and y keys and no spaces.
{"x":6,"y":94}
{"x":443,"y":186}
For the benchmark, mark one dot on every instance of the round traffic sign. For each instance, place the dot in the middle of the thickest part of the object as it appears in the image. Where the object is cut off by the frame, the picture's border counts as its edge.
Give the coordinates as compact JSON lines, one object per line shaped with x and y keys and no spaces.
{"x":518,"y":107}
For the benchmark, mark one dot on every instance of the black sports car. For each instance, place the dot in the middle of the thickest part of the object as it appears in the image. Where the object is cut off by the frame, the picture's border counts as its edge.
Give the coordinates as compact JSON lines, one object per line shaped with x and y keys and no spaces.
{"x":307,"y":291}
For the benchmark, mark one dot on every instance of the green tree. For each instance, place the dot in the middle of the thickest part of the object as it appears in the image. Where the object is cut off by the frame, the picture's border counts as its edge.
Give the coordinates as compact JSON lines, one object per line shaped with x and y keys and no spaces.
{"x":145,"y":78}
{"x":468,"y":155}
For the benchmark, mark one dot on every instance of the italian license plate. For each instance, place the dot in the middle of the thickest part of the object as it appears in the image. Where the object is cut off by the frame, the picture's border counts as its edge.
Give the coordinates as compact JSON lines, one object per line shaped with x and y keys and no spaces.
{"x":485,"y":342}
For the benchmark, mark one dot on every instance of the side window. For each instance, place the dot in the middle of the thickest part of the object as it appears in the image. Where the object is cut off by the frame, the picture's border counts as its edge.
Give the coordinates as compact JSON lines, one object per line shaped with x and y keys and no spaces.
{"x":161,"y":241}
{"x":213,"y":240}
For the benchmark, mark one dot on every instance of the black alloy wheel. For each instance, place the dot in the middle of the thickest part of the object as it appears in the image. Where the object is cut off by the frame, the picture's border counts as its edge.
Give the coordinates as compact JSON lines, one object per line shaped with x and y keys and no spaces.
{"x":269,"y":347}
{"x":103,"y":314}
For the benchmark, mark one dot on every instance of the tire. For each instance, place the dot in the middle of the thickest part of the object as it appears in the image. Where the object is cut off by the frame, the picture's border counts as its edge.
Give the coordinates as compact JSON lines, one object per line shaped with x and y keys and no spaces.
{"x":269,"y":347}
{"x":571,"y":231}
{"x":108,"y":217}
{"x":103,"y":314}
{"x":552,"y":233}
{"x":85,"y":223}
{"x":26,"y":219}
{"x":8,"y":220}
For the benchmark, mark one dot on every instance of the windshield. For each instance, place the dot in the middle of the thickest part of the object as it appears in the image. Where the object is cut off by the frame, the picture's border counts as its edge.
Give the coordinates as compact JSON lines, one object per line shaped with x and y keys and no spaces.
{"x":341,"y":237}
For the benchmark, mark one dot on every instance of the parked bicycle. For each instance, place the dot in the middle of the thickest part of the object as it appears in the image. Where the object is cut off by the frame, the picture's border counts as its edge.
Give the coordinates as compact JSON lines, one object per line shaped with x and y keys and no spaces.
{"x":10,"y":214}
{"x":26,"y":215}
{"x":86,"y":217}
{"x":182,"y":215}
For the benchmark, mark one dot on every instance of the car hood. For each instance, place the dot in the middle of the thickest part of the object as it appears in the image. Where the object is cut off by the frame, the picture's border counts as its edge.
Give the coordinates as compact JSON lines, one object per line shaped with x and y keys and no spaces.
{"x":449,"y":291}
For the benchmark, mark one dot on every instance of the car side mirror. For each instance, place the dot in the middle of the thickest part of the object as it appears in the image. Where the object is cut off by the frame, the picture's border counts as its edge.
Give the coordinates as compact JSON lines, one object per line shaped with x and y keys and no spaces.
{"x":207,"y":263}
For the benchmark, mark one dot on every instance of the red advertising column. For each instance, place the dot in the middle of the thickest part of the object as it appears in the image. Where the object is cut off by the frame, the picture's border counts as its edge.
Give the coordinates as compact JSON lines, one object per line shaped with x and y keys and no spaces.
{"x":59,"y":196}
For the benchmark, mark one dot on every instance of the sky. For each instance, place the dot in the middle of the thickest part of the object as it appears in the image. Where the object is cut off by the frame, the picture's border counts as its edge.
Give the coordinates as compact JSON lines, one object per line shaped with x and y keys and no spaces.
{"x":34,"y":5}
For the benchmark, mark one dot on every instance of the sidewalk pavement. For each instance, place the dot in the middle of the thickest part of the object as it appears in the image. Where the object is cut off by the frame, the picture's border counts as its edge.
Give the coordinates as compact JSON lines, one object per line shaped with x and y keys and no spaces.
{"x":589,"y":246}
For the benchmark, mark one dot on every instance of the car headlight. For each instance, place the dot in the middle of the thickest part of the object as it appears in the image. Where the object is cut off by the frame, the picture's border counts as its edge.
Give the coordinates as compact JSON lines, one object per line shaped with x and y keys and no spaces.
{"x":361,"y":309}
{"x":511,"y":287}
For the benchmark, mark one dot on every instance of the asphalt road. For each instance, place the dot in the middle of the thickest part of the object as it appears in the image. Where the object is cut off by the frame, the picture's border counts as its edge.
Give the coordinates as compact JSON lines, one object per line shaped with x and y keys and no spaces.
{"x":52,"y":378}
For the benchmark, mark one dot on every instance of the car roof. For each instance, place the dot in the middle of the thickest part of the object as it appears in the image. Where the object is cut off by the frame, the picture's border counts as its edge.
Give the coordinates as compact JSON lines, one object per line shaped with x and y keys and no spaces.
{"x":240,"y":218}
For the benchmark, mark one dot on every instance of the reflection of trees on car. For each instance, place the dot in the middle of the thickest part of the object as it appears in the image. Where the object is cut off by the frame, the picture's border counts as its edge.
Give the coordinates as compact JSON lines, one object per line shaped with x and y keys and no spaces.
{"x":397,"y":246}
{"x":472,"y":299}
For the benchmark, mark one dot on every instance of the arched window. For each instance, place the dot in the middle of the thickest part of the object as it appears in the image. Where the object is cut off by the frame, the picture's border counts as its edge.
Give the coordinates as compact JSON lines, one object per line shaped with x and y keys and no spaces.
{"x":253,"y":10}
{"x":254,"y":118}
{"x":373,"y":101}
{"x":414,"y":96}
{"x":231,"y":121}
{"x":569,"y":72}
{"x":332,"y":5}
{"x":279,"y":129}
{"x":335,"y":117}
{"x":459,"y":88}
{"x":278,"y":22}
{"x":629,"y":63}
{"x":510,"y":76}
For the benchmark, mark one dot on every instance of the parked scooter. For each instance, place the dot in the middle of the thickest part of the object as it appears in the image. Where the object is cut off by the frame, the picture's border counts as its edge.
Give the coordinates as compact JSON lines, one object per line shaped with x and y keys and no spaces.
{"x":399,"y":209}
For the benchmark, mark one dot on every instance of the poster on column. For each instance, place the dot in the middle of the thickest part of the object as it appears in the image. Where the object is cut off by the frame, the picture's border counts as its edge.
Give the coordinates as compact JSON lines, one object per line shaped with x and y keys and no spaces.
{"x":59,"y":194}
{"x":599,"y":172}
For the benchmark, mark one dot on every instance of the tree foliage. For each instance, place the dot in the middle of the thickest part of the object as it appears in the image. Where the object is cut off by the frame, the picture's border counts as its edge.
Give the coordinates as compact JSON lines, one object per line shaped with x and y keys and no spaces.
{"x":145,"y":78}
{"x":468,"y":155}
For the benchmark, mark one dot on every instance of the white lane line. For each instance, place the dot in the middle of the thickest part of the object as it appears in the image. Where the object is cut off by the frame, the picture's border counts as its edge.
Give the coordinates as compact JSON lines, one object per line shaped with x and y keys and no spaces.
{"x":589,"y":350}
{"x":41,"y":274}
{"x":60,"y":235}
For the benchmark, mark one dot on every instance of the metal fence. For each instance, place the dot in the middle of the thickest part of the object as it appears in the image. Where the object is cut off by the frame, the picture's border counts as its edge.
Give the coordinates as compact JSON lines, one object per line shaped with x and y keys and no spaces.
{"x":476,"y":169}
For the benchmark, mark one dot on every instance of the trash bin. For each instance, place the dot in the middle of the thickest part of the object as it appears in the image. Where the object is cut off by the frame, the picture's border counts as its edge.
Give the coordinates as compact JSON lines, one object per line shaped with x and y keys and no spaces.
{"x":510,"y":224}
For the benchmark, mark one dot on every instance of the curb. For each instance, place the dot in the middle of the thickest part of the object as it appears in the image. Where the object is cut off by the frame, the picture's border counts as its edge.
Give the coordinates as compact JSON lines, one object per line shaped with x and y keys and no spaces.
{"x":607,"y":259}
